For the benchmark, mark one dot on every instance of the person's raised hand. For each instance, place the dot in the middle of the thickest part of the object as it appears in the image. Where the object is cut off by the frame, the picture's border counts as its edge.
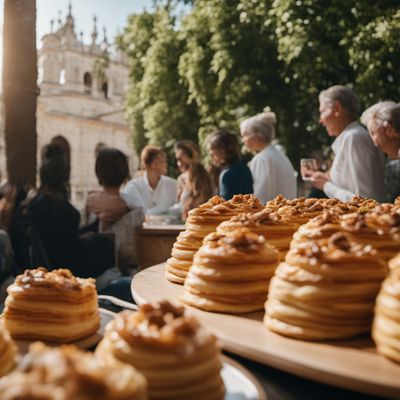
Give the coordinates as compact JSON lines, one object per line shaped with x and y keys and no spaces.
{"x":319,"y":179}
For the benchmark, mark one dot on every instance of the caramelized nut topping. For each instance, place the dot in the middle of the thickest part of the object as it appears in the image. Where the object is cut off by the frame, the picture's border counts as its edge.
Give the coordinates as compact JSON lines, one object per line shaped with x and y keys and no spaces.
{"x":340,"y":241}
{"x":264,"y":217}
{"x":362,"y":202}
{"x":246,"y":201}
{"x":327,"y":217}
{"x":354,"y":222}
{"x":218,"y":206}
{"x":159,"y":324}
{"x":241,"y":239}
{"x":58,"y":278}
{"x":277,"y":201}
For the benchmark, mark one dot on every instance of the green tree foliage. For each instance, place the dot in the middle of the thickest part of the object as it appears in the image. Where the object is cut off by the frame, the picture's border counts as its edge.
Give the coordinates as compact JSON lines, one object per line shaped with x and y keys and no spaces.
{"x":157,"y":100}
{"x":308,"y":35}
{"x":375,"y":57}
{"x":166,"y":112}
{"x":134,"y":42}
{"x":324,"y":44}
{"x":224,"y":60}
{"x":230,"y":62}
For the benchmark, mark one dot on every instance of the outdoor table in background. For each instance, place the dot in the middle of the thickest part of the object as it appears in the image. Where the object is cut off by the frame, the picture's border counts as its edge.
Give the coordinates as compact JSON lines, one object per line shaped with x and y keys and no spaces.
{"x":154,"y":243}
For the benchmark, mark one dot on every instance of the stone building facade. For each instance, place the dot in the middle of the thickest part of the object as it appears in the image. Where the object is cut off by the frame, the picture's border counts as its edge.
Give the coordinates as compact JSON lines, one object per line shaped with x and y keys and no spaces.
{"x":80,"y":105}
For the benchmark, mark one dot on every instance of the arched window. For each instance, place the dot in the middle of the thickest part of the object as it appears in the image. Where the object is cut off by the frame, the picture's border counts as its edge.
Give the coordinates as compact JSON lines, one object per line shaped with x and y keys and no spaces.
{"x":99,"y":146}
{"x":87,"y":82}
{"x":61,"y":142}
{"x":61,"y":80}
{"x":104,"y":89}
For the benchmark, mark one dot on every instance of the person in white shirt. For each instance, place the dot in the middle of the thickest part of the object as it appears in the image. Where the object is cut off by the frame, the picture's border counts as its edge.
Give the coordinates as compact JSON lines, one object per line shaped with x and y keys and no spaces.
{"x":383,"y":123}
{"x":273,"y":173}
{"x":155,"y":191}
{"x":358,"y":166}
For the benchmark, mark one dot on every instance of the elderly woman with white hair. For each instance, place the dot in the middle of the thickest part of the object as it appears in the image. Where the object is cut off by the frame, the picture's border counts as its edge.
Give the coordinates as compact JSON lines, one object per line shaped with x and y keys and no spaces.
{"x":383,"y":123}
{"x":272,"y":172}
{"x":358,"y":166}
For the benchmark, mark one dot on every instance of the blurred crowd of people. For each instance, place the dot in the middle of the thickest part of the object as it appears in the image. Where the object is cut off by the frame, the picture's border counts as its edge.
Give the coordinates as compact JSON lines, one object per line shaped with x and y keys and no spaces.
{"x":41,"y":227}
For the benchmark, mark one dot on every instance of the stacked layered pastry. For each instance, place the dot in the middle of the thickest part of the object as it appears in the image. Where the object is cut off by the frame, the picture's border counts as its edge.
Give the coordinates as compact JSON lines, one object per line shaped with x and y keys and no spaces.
{"x":8,"y":352}
{"x":245,"y":203}
{"x":321,"y":227}
{"x":277,"y":230}
{"x":394,"y":263}
{"x":51,"y":306}
{"x":301,"y":210}
{"x":231,"y":272}
{"x":67,"y":373}
{"x":179,"y":358}
{"x":200,"y":222}
{"x":379,"y":227}
{"x":386,"y":326}
{"x":325,"y":290}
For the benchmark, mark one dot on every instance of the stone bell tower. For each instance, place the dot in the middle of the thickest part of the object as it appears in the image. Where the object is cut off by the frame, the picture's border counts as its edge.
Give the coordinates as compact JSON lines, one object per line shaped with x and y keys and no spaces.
{"x":80,"y":105}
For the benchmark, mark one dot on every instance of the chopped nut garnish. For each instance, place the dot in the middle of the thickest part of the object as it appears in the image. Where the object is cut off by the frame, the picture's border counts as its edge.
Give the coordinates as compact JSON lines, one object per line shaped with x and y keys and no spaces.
{"x":41,"y":277}
{"x":340,"y":240}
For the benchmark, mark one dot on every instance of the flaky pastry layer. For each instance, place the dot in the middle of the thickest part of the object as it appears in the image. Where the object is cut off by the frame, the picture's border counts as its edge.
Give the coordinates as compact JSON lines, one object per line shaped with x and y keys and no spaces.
{"x":66,"y":373}
{"x":325,"y":290}
{"x":177,"y":356}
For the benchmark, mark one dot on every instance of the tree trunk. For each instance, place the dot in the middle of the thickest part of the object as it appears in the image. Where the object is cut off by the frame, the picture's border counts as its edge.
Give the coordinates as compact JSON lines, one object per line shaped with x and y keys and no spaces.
{"x":20,"y":89}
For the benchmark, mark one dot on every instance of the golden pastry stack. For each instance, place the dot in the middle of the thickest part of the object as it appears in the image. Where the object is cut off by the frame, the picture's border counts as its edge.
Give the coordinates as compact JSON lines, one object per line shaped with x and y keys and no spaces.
{"x":200,"y":222}
{"x":301,"y":210}
{"x":67,"y":373}
{"x":231,"y":273}
{"x":386,"y":326}
{"x":277,"y":230}
{"x":51,"y":306}
{"x":8,"y":352}
{"x":179,"y":358}
{"x":320,"y":227}
{"x":378,"y":227}
{"x":325,"y":289}
{"x":394,"y":263}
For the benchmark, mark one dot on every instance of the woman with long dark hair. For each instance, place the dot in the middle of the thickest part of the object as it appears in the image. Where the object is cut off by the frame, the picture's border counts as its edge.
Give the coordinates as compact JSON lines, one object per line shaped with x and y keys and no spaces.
{"x":194,"y":185}
{"x":235,"y":176}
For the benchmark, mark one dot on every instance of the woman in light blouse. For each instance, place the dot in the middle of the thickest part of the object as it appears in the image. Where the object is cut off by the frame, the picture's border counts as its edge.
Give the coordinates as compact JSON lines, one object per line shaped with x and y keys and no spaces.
{"x":154,"y":191}
{"x":273,"y":173}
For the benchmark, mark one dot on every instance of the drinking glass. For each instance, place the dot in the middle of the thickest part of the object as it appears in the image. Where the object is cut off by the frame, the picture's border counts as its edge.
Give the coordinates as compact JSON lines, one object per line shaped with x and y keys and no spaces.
{"x":307,"y":167}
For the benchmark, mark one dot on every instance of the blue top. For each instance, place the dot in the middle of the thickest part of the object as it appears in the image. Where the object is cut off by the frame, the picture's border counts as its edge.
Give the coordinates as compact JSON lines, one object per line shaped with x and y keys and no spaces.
{"x":235,"y":179}
{"x":392,"y":180}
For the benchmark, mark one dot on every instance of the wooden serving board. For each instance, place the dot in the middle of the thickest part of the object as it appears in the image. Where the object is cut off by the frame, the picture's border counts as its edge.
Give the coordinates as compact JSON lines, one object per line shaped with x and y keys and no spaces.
{"x":352,"y":364}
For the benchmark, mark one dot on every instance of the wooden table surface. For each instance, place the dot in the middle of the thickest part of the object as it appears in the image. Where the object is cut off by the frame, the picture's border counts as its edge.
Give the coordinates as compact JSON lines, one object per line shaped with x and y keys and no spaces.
{"x":352,"y":364}
{"x":154,"y":243}
{"x":160,"y":229}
